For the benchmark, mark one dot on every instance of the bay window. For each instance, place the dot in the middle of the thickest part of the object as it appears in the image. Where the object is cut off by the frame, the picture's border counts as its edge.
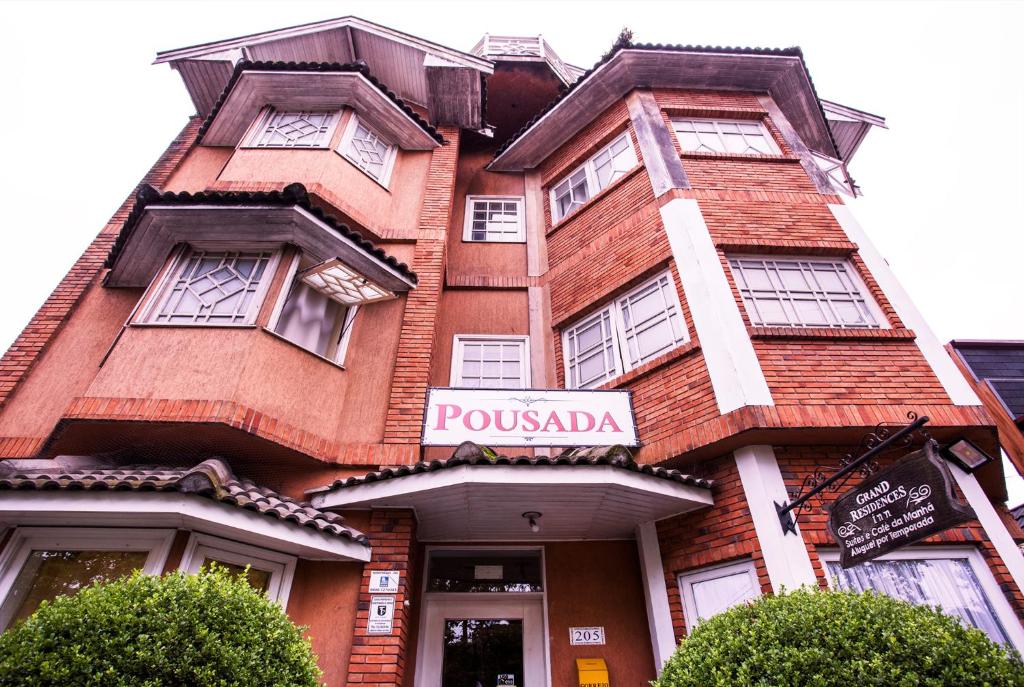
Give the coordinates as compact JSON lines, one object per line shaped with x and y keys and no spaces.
{"x":293,"y":129}
{"x":269,"y":572}
{"x":804,"y":292}
{"x":631,"y":330}
{"x":608,"y":164}
{"x":723,"y":136}
{"x":311,"y":319}
{"x":367,"y":150}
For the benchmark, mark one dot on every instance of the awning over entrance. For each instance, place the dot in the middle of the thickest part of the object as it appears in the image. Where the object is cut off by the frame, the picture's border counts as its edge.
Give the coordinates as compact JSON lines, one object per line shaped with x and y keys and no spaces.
{"x":597,"y":493}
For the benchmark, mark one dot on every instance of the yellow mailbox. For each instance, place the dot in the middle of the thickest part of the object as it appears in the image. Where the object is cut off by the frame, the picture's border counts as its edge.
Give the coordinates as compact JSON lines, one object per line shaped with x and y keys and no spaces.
{"x":593,"y":672}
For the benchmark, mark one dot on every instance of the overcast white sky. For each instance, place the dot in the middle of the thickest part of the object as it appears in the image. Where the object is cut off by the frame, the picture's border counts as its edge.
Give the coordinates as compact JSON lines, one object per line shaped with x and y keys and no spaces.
{"x":86,"y":114}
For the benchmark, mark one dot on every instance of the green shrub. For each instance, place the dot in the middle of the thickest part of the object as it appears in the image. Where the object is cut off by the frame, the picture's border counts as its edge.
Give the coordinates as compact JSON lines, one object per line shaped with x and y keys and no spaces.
{"x":822,"y":638}
{"x":196,"y":630}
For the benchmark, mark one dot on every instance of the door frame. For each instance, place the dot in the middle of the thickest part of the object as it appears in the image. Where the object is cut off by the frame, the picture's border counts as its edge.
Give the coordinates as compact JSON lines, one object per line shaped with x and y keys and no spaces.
{"x":531,"y":607}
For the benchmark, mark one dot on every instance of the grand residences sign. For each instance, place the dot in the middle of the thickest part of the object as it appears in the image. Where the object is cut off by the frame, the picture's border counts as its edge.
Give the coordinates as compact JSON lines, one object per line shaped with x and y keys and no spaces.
{"x":528,"y":417}
{"x":895,"y":507}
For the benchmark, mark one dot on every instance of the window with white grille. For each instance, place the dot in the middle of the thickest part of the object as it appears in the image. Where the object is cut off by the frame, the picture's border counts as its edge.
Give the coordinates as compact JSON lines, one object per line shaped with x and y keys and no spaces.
{"x":495,"y":219}
{"x":798,"y":292}
{"x":213,"y":288}
{"x":710,"y":591}
{"x":610,"y":163}
{"x":631,"y":330}
{"x":365,"y":148}
{"x":491,"y":362}
{"x":294,"y":130}
{"x":724,"y":136}
{"x":311,"y":320}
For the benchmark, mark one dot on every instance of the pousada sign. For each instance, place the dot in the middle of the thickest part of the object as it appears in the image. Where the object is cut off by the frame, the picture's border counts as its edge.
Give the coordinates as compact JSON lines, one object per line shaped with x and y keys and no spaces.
{"x":528,"y":417}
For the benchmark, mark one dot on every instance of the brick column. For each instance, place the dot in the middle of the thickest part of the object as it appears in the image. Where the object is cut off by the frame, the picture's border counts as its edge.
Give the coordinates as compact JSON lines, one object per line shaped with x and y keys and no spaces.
{"x":379,"y":660}
{"x":416,"y":345}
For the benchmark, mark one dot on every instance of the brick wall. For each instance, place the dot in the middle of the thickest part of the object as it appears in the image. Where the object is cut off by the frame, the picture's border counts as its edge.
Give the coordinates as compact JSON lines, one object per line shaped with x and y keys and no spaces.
{"x":585,"y":143}
{"x":32,"y":343}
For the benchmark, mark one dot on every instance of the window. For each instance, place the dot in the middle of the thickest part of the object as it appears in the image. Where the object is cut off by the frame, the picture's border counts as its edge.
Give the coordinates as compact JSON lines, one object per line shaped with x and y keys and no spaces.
{"x":41,"y":563}
{"x":710,"y":591}
{"x":269,"y":571}
{"x":491,"y":362}
{"x":212,"y":288}
{"x":294,"y":130}
{"x":609,"y":164}
{"x":481,"y":571}
{"x":798,"y":292}
{"x":364,"y":148}
{"x":957,"y":580}
{"x":310,"y":319}
{"x":724,"y":136}
{"x":494,"y":218}
{"x":635,"y":328}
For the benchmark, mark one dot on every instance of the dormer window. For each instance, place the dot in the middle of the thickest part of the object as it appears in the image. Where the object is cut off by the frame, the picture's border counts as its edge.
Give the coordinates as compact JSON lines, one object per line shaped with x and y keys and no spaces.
{"x":368,"y":151}
{"x":293,"y":129}
{"x":212,"y":288}
{"x":583,"y":183}
{"x":743,"y":136}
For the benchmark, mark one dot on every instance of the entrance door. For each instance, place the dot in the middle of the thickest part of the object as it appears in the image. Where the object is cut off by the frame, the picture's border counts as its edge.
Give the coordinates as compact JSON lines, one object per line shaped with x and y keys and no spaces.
{"x":482,"y":623}
{"x":481,"y":643}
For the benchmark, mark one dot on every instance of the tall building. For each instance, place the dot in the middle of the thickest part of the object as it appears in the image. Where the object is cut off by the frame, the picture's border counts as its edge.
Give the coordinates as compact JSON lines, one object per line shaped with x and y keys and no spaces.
{"x":486,"y":363}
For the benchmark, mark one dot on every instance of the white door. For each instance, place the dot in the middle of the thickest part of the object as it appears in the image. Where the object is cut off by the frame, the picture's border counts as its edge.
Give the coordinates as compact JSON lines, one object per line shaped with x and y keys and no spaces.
{"x":490,"y":640}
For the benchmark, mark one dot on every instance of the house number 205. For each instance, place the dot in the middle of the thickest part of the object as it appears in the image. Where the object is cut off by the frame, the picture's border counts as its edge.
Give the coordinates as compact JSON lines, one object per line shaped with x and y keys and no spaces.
{"x":586,"y":635}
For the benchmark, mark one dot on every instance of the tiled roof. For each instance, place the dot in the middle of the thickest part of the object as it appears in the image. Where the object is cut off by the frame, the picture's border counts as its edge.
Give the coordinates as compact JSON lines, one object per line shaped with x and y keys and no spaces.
{"x":621,"y":45}
{"x":355,"y":67}
{"x":291,"y":195}
{"x":211,"y":479}
{"x":471,"y":454}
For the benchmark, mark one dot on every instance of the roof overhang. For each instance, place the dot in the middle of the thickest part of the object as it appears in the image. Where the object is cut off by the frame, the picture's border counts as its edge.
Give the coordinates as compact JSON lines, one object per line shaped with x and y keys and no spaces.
{"x":849,"y":126}
{"x":448,"y":82}
{"x":180,"y":511}
{"x":159,"y":228}
{"x":487,"y":502}
{"x":310,"y":91}
{"x":783,"y":76}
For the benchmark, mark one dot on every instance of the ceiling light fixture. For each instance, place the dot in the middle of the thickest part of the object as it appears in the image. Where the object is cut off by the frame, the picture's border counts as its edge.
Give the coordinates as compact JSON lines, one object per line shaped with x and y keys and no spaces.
{"x":532,"y":517}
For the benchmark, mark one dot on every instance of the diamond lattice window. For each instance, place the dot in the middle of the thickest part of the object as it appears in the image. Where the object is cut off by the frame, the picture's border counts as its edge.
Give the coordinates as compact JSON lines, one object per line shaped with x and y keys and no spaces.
{"x":340,"y":282}
{"x":368,"y":151}
{"x":803,"y":293}
{"x":608,"y":164}
{"x":724,"y":136}
{"x":216,"y":288}
{"x":494,"y":219}
{"x":295,"y":130}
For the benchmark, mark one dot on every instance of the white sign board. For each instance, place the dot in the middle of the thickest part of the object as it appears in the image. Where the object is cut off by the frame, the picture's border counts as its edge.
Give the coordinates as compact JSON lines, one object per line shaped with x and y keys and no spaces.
{"x":528,"y":417}
{"x":384,"y":581}
{"x":586,"y":635}
{"x":382,"y":615}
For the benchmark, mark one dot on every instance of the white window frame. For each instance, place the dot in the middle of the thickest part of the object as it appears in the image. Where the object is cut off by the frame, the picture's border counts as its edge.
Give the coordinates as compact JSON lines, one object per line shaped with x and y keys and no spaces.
{"x":766,"y":134}
{"x":275,"y":317}
{"x":881,"y":321}
{"x":346,"y":139}
{"x":1004,"y":612}
{"x":467,"y":228}
{"x":613,"y":311}
{"x":259,"y":129}
{"x":686,"y":581}
{"x":162,"y":287}
{"x":280,"y":566}
{"x":593,"y":187}
{"x":458,"y":346}
{"x":25,"y":540}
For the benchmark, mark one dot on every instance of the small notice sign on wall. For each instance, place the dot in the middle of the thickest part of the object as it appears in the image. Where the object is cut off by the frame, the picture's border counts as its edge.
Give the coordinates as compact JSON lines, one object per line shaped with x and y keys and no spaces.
{"x":384,"y":581}
{"x":382,"y":615}
{"x":586,"y":635}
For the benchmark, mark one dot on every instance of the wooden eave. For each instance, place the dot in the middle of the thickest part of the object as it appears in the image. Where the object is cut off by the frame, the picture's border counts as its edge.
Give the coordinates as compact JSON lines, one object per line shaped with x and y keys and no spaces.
{"x":781,"y":76}
{"x":161,"y":227}
{"x":849,"y":126}
{"x":304,"y":90}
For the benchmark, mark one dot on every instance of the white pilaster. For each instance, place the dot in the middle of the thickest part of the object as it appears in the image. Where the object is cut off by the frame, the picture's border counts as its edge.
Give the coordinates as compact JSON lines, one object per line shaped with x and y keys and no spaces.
{"x":942,"y":365}
{"x":659,"y":618}
{"x":785,"y":555}
{"x":735,"y":371}
{"x":991,"y":523}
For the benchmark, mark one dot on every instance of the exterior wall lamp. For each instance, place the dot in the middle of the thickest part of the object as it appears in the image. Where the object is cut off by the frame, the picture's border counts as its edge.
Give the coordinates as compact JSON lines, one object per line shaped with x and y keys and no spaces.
{"x":532,"y":517}
{"x":966,"y":454}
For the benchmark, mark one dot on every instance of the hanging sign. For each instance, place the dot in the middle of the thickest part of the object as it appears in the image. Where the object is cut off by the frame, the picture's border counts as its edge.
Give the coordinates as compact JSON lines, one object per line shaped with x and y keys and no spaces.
{"x":528,"y":417}
{"x":895,"y":507}
{"x":586,"y":635}
{"x":382,"y":615}
{"x":384,"y":581}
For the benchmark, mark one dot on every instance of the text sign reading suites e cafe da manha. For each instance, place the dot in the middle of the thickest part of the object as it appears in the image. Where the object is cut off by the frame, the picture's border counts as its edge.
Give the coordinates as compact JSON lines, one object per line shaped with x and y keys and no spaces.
{"x":895,"y":507}
{"x":529,"y":417}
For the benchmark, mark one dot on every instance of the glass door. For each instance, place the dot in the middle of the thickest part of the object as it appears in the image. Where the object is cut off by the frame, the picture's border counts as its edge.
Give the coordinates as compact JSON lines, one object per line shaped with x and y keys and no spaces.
{"x":482,"y":653}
